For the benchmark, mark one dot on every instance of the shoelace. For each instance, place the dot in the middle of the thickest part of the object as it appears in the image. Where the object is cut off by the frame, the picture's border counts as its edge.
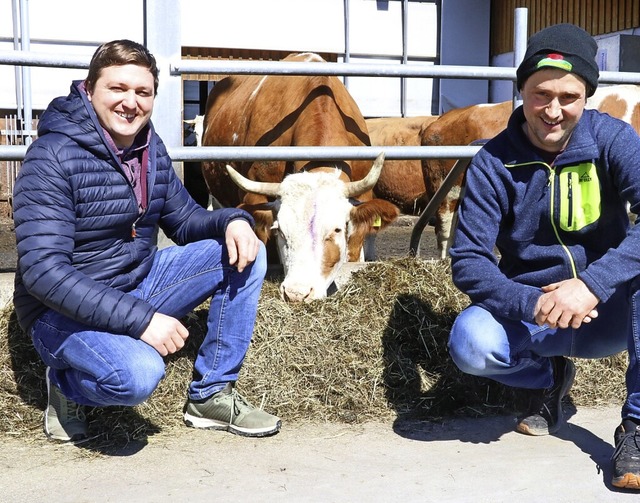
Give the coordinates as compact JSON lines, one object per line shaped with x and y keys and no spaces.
{"x":238,"y":402}
{"x":79,"y":411}
{"x":622,"y":444}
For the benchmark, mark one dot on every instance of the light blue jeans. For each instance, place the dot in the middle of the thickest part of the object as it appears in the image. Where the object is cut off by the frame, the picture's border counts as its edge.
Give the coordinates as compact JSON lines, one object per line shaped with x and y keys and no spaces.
{"x":517,"y":353}
{"x":97,"y":368}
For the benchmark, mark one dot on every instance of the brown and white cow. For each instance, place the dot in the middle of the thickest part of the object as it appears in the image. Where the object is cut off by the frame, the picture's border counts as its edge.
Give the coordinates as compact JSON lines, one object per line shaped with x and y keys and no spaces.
{"x":621,"y":101}
{"x":401,"y":181}
{"x":477,"y":122}
{"x":460,"y":126}
{"x":320,"y":211}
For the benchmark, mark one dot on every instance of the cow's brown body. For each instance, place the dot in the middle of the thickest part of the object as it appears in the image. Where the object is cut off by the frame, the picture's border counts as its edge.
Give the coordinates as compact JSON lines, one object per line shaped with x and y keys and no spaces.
{"x":273,"y":110}
{"x":401,"y":181}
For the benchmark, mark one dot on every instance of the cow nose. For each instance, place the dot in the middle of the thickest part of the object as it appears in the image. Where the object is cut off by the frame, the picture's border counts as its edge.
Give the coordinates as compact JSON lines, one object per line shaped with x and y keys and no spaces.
{"x":297,"y":293}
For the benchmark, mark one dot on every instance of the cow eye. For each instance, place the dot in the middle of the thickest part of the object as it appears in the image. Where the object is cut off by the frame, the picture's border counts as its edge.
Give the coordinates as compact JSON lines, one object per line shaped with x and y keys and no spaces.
{"x":337,"y":230}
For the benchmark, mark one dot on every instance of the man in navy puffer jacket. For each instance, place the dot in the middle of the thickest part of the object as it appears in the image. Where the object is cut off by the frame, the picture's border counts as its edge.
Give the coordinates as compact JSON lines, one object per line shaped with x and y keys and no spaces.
{"x":99,"y":300}
{"x":550,"y":194}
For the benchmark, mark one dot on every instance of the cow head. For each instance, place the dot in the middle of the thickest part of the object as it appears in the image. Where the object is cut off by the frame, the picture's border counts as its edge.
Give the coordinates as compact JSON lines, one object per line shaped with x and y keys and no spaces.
{"x":314,"y":224}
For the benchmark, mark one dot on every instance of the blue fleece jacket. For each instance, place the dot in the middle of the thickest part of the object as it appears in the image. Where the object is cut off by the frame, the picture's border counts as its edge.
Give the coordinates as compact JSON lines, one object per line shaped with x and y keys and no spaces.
{"x":81,"y":241}
{"x":548,"y":222}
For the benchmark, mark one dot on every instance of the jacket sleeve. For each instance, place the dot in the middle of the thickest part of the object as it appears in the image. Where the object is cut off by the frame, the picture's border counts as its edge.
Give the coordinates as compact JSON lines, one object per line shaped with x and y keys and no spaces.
{"x":184,"y":221}
{"x":621,"y":263}
{"x":45,"y":223}
{"x":474,"y":265}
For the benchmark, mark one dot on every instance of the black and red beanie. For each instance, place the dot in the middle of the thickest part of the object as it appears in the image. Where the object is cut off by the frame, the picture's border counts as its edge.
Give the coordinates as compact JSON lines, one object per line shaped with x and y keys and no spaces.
{"x":563,"y":46}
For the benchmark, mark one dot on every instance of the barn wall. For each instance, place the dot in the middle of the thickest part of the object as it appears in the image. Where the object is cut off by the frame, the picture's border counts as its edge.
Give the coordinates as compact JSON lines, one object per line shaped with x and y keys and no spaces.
{"x":598,"y":17}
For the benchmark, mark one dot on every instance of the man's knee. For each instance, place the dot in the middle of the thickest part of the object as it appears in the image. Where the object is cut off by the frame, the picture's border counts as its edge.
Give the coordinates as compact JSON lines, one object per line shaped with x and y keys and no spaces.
{"x":472,"y":349}
{"x":133,"y":385}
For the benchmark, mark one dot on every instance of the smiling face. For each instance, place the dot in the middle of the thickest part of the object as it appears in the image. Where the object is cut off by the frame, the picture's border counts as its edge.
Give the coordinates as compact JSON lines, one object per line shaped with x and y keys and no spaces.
{"x":122,"y":98}
{"x":553,"y":101}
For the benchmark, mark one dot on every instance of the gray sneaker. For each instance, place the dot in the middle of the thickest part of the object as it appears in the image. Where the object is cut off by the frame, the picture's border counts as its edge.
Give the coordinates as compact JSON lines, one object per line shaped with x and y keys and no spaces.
{"x":64,"y":420}
{"x":228,"y":410}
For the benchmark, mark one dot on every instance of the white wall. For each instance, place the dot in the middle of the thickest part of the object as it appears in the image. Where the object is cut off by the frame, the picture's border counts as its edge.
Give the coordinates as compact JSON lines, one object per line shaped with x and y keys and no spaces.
{"x":78,"y":26}
{"x":69,"y":27}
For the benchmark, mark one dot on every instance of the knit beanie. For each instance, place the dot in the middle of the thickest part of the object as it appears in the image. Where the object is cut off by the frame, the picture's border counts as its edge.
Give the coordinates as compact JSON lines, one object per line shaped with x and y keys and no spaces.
{"x":563,"y":46}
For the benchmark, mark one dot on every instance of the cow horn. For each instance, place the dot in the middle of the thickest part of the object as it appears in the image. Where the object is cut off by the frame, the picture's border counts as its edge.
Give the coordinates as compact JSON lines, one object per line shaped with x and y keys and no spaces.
{"x":361,"y":186}
{"x":263,"y":188}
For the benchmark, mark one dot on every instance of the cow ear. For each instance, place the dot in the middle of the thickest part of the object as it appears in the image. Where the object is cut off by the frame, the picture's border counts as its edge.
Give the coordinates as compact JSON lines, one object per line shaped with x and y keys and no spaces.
{"x":375,"y":214}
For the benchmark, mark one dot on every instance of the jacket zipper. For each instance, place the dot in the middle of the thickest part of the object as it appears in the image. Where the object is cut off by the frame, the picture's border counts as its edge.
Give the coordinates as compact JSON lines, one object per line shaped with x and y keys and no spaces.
{"x":552,"y":193}
{"x":570,"y":198}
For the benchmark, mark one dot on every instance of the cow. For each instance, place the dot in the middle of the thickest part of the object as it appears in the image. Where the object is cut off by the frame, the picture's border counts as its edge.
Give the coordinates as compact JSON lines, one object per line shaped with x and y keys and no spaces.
{"x":462,"y":126}
{"x":621,"y":101}
{"x":319,"y":211}
{"x":401,"y":181}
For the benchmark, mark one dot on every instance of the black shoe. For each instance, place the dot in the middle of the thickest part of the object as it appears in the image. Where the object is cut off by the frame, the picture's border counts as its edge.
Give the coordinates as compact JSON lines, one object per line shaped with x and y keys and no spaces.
{"x":546,"y":416}
{"x":626,"y":457}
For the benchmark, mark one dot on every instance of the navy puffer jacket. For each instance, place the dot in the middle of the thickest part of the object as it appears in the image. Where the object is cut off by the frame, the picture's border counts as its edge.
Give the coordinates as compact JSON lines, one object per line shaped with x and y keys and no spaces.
{"x":74,"y":213}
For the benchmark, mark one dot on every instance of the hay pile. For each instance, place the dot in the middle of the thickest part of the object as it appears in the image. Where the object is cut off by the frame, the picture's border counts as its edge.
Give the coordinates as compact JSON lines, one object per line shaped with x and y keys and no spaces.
{"x":375,"y":350}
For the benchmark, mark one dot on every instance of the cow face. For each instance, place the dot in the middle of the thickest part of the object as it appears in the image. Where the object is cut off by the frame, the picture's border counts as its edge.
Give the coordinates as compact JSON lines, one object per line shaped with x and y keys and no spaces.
{"x":316,"y":227}
{"x":311,"y":232}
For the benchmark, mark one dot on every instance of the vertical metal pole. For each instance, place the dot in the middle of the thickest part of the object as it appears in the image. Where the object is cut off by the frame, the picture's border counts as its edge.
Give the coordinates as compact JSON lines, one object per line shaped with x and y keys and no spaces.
{"x":347,"y":36}
{"x":26,"y":71}
{"x":15,"y":10}
{"x":519,"y":46}
{"x":162,"y":33}
{"x":405,"y":59}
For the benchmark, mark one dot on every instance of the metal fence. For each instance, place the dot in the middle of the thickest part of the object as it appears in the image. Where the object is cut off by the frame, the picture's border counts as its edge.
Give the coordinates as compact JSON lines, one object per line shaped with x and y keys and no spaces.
{"x":179,"y":67}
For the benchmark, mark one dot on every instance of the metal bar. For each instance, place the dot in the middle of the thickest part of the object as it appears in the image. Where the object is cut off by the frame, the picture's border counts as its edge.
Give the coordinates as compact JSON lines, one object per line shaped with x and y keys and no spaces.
{"x":15,"y":153}
{"x":458,"y":169}
{"x":15,"y":9}
{"x":32,"y":58}
{"x":25,"y":45}
{"x":352,"y":69}
{"x":519,"y":46}
{"x":162,"y":38}
{"x":416,"y":234}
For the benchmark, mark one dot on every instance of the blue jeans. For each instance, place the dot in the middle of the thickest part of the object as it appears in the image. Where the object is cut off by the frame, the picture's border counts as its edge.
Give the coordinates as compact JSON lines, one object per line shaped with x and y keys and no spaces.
{"x":517,"y":353}
{"x":97,"y":368}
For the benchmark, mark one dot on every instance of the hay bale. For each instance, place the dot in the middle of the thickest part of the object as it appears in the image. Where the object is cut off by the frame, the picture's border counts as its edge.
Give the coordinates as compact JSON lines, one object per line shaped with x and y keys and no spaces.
{"x":374,"y":350}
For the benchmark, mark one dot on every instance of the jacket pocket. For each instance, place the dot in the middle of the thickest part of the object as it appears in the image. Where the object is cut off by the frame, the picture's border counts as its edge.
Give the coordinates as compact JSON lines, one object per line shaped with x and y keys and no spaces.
{"x":579,"y":196}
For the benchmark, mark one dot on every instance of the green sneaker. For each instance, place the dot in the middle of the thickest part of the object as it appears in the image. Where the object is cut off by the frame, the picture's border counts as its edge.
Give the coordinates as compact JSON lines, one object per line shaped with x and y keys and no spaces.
{"x":228,"y":410}
{"x":64,"y":420}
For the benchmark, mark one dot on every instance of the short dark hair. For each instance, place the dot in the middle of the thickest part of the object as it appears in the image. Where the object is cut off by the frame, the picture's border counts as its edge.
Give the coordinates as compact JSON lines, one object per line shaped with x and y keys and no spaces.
{"x":120,"y":53}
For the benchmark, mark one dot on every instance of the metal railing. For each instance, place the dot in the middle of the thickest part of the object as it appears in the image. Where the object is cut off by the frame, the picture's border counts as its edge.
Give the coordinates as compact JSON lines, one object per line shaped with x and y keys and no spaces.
{"x":177,"y":68}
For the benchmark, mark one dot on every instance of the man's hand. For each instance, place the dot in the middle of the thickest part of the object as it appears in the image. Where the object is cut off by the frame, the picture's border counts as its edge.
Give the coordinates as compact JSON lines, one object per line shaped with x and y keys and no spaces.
{"x":242,"y":243}
{"x":165,"y":334}
{"x":566,"y":304}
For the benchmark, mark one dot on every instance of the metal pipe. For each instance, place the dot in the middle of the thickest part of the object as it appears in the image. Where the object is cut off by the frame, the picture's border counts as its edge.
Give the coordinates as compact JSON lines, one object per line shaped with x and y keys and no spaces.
{"x":519,"y":46}
{"x":25,"y":39}
{"x":35,"y":58}
{"x":405,"y":59}
{"x":9,"y":152}
{"x":291,"y":68}
{"x":353,"y":69}
{"x":347,"y":37}
{"x":15,"y":9}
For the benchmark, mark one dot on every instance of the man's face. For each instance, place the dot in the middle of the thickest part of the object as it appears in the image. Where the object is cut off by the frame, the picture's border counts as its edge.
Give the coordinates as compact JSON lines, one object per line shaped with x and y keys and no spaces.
{"x":123,"y":100}
{"x":553,"y":101}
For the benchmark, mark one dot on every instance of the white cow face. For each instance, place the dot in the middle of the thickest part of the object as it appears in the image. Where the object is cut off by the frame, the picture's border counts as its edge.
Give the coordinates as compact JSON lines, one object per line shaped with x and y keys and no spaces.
{"x":311,"y":231}
{"x":311,"y":225}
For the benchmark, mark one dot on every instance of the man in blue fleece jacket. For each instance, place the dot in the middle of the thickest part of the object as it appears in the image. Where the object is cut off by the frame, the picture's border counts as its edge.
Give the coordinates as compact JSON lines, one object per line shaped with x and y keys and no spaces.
{"x":101,"y":303}
{"x":550,"y":193}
